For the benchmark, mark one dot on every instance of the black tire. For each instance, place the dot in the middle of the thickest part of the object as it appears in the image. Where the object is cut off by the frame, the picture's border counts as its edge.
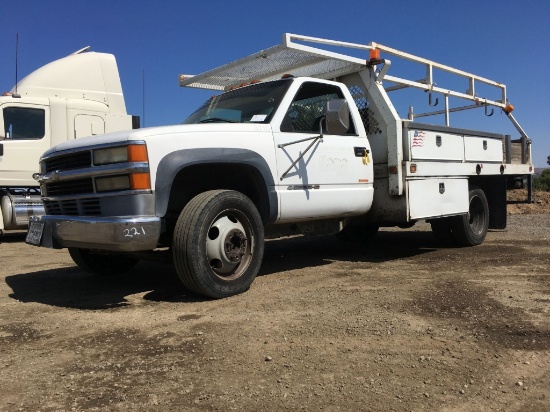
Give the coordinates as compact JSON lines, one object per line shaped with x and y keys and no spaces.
{"x":218,"y":243}
{"x":100,"y":264}
{"x":358,"y":233}
{"x":442,"y":230}
{"x":470,"y":229}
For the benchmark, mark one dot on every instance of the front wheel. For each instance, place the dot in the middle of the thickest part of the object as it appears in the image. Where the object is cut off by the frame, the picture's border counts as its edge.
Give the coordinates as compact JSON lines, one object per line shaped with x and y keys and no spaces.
{"x":102,"y":264}
{"x":218,"y":243}
{"x":470,"y":229}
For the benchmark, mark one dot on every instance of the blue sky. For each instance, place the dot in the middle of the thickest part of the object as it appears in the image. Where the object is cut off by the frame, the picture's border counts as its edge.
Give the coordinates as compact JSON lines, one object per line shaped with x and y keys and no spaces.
{"x":504,"y":40}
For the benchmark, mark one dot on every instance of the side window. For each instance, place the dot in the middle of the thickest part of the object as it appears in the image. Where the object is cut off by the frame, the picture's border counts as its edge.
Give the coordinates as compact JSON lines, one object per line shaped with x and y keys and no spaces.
{"x":368,"y":116}
{"x":306,"y":110}
{"x":24,"y":123}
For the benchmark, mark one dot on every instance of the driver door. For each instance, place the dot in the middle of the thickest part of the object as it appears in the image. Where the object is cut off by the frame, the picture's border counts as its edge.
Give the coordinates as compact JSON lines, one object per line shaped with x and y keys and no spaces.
{"x":333,"y":177}
{"x":25,"y":137}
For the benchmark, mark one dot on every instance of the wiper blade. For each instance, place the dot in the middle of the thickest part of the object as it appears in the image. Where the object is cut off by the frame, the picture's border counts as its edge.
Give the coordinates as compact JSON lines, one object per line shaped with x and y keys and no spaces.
{"x":215,"y":119}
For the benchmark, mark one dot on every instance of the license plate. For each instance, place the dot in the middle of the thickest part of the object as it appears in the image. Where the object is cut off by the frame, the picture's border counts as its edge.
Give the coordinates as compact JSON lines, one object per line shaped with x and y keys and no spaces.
{"x":34,"y":234}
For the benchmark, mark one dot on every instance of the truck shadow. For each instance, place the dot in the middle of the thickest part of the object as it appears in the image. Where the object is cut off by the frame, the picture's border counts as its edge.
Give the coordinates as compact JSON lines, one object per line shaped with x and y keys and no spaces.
{"x":13,"y":237}
{"x":157,"y":281}
{"x":73,"y":288}
{"x":301,"y":252}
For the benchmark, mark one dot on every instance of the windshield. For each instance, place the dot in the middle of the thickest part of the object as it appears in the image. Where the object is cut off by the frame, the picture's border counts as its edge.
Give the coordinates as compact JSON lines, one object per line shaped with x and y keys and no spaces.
{"x":251,"y":104}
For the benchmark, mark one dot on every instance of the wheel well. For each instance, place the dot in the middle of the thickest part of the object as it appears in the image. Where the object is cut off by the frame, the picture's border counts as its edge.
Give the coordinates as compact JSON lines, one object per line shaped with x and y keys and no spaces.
{"x":494,"y":188}
{"x":196,"y":179}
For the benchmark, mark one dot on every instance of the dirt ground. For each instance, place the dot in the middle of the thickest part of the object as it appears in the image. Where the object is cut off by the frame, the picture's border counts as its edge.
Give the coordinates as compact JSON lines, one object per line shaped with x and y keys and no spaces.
{"x":398,"y":325}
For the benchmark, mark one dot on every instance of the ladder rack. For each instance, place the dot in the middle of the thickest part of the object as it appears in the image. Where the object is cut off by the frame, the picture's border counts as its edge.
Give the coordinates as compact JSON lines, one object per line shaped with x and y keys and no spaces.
{"x":303,"y":60}
{"x":296,"y":56}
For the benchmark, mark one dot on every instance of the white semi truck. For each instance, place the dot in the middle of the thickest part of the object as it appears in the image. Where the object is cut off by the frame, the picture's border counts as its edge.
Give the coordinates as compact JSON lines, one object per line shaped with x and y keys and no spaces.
{"x":79,"y":95}
{"x":302,"y":139}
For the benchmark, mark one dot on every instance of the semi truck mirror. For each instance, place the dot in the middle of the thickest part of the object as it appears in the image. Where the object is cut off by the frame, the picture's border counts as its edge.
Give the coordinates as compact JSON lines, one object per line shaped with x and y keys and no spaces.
{"x":337,"y":116}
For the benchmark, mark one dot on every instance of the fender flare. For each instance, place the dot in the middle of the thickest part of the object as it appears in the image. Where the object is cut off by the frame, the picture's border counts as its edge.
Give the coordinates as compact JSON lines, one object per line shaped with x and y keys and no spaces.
{"x":174,"y":162}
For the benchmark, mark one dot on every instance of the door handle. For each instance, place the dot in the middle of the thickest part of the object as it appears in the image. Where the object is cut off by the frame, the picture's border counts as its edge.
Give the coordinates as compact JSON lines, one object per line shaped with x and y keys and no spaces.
{"x":1,"y":149}
{"x":361,"y":151}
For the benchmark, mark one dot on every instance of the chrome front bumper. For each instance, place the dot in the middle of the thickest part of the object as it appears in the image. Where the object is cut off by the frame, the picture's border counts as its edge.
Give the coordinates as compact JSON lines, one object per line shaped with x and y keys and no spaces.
{"x":117,"y":234}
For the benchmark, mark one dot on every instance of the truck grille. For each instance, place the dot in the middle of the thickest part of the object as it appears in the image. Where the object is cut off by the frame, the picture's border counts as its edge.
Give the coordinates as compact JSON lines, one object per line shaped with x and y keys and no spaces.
{"x":69,"y":161}
{"x":72,"y":191}
{"x":73,"y":207}
{"x":70,"y":187}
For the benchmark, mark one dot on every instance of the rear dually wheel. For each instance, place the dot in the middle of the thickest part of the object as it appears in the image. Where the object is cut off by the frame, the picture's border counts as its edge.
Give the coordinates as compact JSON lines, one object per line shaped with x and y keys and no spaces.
{"x":470,"y":229}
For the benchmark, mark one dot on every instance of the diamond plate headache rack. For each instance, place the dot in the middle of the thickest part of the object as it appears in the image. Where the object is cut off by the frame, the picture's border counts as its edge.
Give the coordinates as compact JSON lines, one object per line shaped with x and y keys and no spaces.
{"x":294,"y":57}
{"x":286,"y":58}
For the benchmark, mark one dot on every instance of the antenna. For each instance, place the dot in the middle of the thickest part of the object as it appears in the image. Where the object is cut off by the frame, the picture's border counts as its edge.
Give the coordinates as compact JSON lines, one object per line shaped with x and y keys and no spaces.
{"x":143,"y":95}
{"x":16,"y":59}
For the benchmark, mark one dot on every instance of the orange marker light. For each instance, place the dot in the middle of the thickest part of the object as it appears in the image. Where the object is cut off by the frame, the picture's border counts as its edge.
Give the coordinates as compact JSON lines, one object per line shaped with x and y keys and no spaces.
{"x":508,"y":109}
{"x":137,"y":153}
{"x":140,"y":181}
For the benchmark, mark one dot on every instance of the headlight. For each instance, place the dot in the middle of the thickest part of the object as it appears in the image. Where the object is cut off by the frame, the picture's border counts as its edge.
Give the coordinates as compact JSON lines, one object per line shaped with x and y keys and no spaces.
{"x":133,"y":181}
{"x":120,"y":154}
{"x":110,"y":155}
{"x":107,"y":184}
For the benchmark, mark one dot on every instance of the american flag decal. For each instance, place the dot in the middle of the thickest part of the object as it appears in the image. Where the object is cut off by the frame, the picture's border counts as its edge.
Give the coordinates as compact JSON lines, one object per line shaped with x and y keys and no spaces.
{"x":418,"y":139}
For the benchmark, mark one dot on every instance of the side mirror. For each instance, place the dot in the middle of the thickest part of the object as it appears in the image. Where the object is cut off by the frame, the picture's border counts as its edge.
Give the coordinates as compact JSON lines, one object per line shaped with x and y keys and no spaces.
{"x":337,"y":116}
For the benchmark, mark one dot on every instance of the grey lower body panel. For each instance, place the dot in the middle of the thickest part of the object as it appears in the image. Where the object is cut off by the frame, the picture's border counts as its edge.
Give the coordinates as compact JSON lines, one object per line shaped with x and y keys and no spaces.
{"x":116,"y":234}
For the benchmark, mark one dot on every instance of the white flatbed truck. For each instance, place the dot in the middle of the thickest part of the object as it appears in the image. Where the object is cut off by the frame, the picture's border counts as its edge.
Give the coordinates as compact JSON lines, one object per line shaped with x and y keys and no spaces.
{"x":75,"y":96}
{"x":303,"y":139}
